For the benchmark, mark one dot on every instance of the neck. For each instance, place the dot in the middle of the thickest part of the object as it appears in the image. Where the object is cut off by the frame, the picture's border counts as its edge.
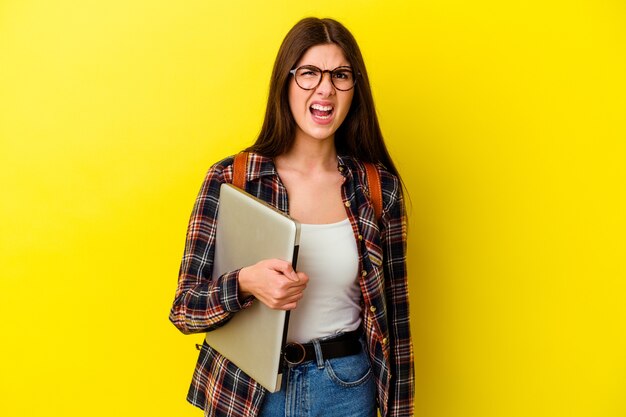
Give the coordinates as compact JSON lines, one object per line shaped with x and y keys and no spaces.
{"x":310,"y":155}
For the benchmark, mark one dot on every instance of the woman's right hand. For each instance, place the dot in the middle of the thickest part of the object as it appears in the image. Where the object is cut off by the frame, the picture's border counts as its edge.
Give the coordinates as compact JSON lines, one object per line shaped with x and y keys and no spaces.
{"x":274,"y":282}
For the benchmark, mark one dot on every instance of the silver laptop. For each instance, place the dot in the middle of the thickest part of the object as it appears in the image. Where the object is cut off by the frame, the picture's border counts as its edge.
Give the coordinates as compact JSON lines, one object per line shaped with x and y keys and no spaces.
{"x":248,"y":231}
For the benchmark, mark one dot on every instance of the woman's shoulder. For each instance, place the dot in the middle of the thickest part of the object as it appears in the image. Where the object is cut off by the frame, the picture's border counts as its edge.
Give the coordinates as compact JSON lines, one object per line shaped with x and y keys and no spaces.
{"x":255,"y":165}
{"x":358,"y":167}
{"x":221,"y":170}
{"x":390,"y":184}
{"x":222,"y":164}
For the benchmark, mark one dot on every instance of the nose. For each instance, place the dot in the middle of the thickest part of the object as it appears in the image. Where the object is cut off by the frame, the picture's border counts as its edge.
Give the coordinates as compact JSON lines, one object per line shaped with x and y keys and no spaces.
{"x":326,"y":86}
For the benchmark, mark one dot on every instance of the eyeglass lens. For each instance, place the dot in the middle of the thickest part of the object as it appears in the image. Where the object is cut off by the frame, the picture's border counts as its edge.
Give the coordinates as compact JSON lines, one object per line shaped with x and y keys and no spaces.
{"x":309,"y":77}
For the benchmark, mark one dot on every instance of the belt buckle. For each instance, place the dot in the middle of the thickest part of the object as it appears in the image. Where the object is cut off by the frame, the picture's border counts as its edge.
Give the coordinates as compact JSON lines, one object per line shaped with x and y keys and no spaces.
{"x":291,"y":346}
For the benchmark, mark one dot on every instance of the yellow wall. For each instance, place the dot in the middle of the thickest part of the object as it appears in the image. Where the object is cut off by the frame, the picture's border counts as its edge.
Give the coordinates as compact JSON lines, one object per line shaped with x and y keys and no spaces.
{"x":504,"y":117}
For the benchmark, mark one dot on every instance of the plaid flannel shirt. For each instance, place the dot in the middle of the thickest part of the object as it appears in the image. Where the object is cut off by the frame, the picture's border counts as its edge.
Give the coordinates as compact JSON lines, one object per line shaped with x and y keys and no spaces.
{"x":202,"y":304}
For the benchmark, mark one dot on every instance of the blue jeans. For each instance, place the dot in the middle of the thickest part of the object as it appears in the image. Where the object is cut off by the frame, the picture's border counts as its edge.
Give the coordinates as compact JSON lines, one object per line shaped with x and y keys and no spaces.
{"x":343,"y":387}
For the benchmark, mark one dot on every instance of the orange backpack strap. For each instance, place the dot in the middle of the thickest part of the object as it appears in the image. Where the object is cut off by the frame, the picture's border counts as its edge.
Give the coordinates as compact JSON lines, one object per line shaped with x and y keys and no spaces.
{"x":376,"y":192}
{"x":240,"y":167}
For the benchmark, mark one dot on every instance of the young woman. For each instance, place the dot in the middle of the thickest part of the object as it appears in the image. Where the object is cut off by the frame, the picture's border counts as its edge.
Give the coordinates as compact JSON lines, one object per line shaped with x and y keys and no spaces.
{"x":349,"y":298}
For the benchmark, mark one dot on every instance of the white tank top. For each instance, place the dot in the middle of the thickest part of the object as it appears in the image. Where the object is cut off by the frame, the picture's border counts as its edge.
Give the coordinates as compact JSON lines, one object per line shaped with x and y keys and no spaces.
{"x":331,"y":303}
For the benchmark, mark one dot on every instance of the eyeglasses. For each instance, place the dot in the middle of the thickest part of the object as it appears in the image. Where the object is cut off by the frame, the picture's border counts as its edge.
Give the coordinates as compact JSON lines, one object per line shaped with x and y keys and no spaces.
{"x":309,"y":77}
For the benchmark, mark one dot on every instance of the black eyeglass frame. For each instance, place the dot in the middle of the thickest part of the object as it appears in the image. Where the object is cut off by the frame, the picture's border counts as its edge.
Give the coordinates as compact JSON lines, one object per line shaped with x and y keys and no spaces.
{"x":331,"y":72}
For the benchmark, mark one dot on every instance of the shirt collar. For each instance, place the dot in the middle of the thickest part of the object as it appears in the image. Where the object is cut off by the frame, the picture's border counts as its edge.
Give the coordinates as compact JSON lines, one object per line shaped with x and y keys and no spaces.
{"x":259,"y":166}
{"x":343,"y":165}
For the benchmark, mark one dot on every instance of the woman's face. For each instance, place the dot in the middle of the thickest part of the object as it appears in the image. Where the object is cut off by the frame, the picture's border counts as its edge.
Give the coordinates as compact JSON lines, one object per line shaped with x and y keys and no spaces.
{"x":319,"y":112}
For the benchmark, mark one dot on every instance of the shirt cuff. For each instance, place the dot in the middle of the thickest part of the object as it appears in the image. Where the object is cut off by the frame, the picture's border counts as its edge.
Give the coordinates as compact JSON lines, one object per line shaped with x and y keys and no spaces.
{"x":229,"y":293}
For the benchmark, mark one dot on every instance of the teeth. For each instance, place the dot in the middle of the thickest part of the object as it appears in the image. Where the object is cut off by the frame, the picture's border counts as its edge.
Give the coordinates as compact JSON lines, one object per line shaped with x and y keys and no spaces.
{"x":322,"y":108}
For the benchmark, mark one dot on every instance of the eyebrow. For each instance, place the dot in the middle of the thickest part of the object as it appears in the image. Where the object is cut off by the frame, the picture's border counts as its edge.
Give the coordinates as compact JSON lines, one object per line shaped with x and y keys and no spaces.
{"x":311,"y":65}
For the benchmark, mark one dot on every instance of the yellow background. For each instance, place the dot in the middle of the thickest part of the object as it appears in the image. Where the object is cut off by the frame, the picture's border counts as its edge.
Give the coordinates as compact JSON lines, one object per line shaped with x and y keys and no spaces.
{"x":505,"y":118}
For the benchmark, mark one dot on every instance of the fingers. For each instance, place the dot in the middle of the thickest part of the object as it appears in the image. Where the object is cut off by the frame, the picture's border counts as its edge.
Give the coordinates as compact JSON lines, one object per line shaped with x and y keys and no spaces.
{"x":286,"y":269}
{"x":274,"y":282}
{"x":303,"y":278}
{"x":281,"y":302}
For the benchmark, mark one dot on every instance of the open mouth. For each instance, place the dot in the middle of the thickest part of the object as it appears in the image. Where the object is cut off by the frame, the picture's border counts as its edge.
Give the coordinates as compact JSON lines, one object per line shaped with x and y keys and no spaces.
{"x":321,"y":112}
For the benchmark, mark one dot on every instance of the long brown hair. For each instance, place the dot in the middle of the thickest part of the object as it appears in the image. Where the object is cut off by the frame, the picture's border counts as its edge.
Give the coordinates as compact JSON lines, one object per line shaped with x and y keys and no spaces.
{"x":359,"y":135}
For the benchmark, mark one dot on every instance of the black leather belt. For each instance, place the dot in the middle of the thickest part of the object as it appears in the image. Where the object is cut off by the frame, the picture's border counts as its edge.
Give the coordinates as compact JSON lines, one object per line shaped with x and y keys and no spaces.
{"x":344,"y":345}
